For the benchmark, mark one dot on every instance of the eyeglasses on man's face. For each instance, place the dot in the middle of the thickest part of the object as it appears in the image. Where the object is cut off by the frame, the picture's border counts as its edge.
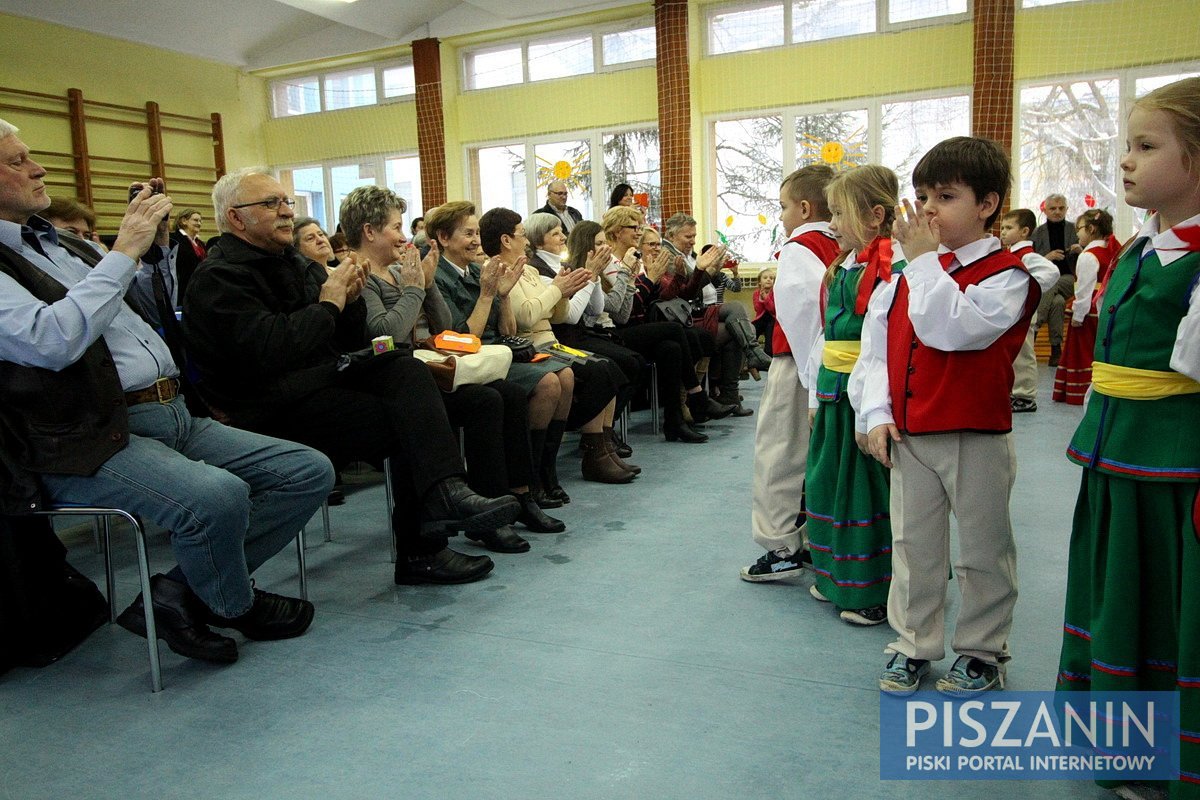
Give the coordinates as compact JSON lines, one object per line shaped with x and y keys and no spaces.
{"x":271,"y":203}
{"x":559,"y":194}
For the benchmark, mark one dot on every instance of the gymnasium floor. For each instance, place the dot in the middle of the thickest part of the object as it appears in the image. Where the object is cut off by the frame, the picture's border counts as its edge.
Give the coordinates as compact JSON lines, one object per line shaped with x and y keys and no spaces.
{"x":622,"y":659}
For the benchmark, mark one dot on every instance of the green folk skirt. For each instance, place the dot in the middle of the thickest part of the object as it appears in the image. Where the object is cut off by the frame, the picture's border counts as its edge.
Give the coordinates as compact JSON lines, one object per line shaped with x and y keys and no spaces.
{"x":849,"y":529}
{"x":1132,"y":621}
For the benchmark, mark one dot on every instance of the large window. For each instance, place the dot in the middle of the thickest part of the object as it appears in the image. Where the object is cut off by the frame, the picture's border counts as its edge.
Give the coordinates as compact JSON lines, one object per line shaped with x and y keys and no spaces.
{"x":629,"y":43}
{"x":320,"y":188}
{"x":751,"y":156}
{"x":1072,"y":136}
{"x":591,"y":163}
{"x":741,"y":26}
{"x":362,"y":86}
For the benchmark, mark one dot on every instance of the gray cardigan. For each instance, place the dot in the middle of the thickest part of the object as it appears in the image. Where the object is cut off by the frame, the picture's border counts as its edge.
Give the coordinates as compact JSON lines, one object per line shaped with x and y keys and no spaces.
{"x":395,"y":312}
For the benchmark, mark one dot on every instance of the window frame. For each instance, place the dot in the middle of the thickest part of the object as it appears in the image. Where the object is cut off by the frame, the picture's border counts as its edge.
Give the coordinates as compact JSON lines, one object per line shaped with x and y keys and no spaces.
{"x":788,"y":114}
{"x":535,"y":198}
{"x":377,"y":160}
{"x":320,"y":77}
{"x":882,"y":25}
{"x":1124,"y":216}
{"x":596,"y":34}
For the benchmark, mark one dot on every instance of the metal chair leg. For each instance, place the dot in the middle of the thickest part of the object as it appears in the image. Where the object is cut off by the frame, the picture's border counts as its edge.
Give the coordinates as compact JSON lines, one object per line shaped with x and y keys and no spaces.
{"x":654,"y":398}
{"x":623,"y":423}
{"x":325,"y":521}
{"x":302,"y":564}
{"x":391,"y":503}
{"x":110,"y":581}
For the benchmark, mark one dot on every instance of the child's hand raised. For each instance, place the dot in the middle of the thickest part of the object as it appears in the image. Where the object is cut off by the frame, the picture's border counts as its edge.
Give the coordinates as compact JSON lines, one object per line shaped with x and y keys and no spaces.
{"x":916,"y":232}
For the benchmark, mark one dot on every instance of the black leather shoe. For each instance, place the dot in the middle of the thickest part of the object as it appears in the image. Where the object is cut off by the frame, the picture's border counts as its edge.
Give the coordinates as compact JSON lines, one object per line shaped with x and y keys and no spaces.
{"x":684,"y":433}
{"x":740,"y":411}
{"x":544,"y":499}
{"x":558,"y":494}
{"x":502,"y":540}
{"x":178,"y":620}
{"x":451,"y":506}
{"x":336,"y":498}
{"x":272,"y":616}
{"x":445,"y":567}
{"x":536,"y":520}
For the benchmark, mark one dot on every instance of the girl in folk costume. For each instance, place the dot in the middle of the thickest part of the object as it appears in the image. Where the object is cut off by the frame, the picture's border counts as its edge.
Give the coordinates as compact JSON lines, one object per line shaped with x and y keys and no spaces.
{"x":849,"y":531}
{"x":1074,"y":374}
{"x":1132,"y":619}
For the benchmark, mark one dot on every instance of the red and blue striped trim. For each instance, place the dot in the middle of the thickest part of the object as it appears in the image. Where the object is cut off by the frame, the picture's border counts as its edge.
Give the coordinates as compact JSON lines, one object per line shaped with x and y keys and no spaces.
{"x":1182,"y":473}
{"x":1066,"y":676}
{"x":886,"y":550}
{"x":1075,"y":630}
{"x":852,"y":584}
{"x":1159,"y":665}
{"x":1189,"y":736}
{"x":1189,"y":777}
{"x":1187,"y":682}
{"x":1115,"y":669}
{"x":849,"y":523}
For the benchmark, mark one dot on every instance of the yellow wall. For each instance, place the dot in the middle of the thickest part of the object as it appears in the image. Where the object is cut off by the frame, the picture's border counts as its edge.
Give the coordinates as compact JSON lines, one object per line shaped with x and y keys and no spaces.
{"x":116,"y":71}
{"x":1098,"y":36}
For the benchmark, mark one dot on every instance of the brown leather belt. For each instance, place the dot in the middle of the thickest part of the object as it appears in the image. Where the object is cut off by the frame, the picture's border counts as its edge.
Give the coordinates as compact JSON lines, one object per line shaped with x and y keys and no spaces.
{"x":163,"y":390}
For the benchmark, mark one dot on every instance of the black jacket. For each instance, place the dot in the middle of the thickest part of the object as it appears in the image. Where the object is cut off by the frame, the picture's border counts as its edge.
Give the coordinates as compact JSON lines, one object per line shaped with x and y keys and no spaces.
{"x":572,"y":211}
{"x":67,"y":422}
{"x":257,"y":333}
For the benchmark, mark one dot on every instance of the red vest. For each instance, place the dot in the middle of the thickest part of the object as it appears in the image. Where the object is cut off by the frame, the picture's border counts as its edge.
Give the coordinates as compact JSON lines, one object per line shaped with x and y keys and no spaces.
{"x":946,"y":391}
{"x":1024,"y":251}
{"x":823,"y":246}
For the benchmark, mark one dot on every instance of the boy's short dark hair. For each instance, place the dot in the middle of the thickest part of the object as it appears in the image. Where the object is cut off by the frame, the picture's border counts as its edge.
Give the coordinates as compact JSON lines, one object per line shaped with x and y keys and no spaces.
{"x":979,"y":163}
{"x":494,"y":224}
{"x":1023,"y":217}
{"x":808,"y":183}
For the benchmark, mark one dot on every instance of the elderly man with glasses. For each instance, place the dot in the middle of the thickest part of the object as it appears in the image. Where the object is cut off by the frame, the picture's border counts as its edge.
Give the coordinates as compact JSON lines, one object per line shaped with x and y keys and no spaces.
{"x":556,"y":204}
{"x":282,"y":347}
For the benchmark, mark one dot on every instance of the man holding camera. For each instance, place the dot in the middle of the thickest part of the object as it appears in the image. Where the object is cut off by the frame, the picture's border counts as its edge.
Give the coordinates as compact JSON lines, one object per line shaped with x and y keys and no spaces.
{"x":90,"y":415}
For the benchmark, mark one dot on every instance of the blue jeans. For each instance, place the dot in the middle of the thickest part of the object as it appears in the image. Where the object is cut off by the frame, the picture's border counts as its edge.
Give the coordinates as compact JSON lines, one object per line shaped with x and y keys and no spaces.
{"x":230,"y":498}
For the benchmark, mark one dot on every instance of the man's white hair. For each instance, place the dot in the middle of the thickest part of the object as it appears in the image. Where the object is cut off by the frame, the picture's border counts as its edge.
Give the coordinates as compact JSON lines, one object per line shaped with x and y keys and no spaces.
{"x":227,"y":192}
{"x":552,"y":185}
{"x":7,"y":129}
{"x":1056,"y":196}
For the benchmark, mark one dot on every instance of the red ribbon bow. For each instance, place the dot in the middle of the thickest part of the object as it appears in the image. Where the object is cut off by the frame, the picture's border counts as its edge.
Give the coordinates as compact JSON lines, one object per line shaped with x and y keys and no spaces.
{"x":878,"y":260}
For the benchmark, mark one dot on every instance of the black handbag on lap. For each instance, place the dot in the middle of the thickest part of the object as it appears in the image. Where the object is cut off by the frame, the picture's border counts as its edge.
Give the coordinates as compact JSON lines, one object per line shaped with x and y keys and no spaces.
{"x":522,"y":348}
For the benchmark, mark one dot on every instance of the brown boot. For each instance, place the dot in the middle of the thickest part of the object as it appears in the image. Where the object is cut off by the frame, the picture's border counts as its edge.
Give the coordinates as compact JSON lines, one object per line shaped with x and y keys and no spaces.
{"x":598,"y":461}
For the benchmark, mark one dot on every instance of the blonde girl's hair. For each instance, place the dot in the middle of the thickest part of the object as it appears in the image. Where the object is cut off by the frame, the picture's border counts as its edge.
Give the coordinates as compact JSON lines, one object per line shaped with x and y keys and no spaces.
{"x":855,"y":193}
{"x":762,"y":273}
{"x":1181,"y":102}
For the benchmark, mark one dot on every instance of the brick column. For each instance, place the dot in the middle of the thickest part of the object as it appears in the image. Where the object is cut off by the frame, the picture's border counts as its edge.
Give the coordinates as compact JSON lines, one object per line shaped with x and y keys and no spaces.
{"x":674,"y":107}
{"x":992,"y":99}
{"x":431,"y":130}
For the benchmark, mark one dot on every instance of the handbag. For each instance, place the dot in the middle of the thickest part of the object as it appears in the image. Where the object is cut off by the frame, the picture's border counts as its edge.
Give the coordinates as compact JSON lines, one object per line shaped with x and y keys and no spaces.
{"x":522,"y":348}
{"x":452,"y":370}
{"x":674,"y":310}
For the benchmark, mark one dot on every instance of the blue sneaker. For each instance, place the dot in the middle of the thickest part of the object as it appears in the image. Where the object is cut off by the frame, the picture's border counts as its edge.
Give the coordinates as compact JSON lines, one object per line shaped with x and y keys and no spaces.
{"x":971,"y":676}
{"x":902,"y":675}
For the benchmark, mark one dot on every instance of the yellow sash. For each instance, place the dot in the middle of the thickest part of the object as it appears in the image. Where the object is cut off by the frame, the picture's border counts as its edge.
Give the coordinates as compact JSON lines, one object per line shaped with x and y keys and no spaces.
{"x":1129,"y":383}
{"x":841,"y":355}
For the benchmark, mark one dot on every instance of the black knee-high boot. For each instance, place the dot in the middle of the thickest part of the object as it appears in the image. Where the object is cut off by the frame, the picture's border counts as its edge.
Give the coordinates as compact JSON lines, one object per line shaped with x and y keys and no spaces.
{"x":537,"y":447}
{"x":549,"y":465}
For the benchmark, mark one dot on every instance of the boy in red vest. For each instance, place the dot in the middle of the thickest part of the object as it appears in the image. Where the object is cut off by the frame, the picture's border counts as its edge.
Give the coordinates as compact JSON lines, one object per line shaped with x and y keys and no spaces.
{"x":781,"y":437}
{"x":1016,"y":226}
{"x":938,"y":350}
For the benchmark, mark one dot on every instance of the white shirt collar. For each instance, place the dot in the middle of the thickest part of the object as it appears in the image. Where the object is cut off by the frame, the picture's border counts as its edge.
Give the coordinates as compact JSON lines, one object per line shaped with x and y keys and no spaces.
{"x":1020,"y":245}
{"x":1169,"y":247}
{"x":1092,"y":245}
{"x":973,"y":251}
{"x":820,"y":225}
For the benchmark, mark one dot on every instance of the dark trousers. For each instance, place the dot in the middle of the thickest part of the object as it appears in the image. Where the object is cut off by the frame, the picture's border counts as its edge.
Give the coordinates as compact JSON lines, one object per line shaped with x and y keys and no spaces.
{"x":629,"y":362}
{"x":495,"y":421}
{"x":390,"y":409}
{"x":765,"y":326}
{"x":666,"y":344}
